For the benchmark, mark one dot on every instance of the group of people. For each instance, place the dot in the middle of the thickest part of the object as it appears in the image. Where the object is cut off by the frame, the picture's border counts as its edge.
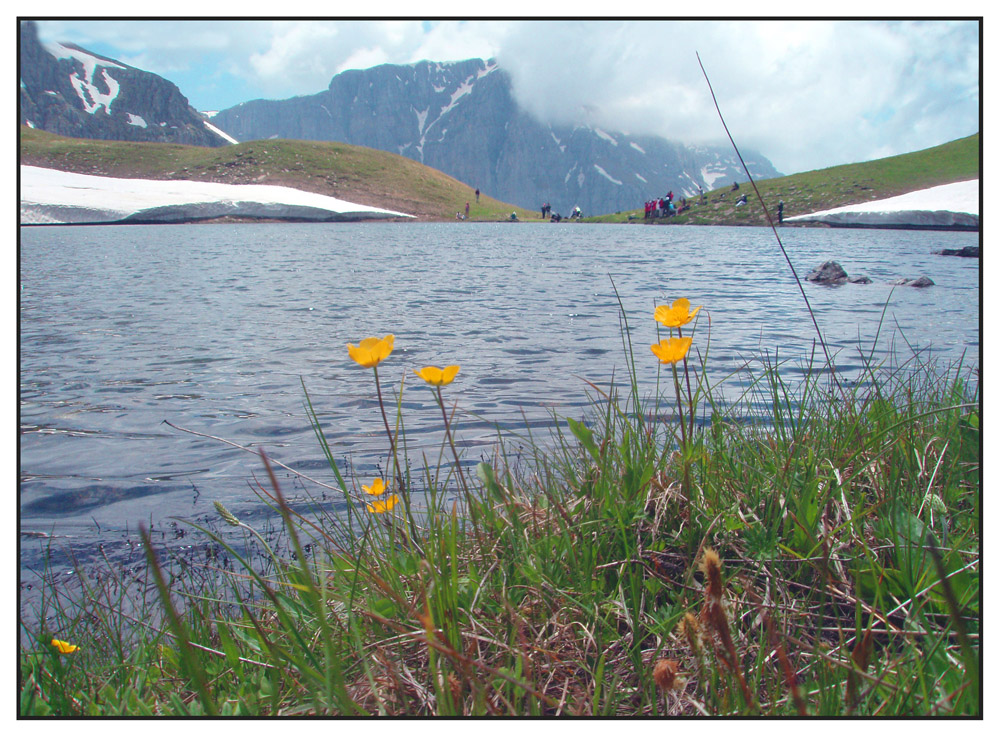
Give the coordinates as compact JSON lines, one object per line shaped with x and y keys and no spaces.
{"x":665,"y":207}
{"x":577,"y":213}
{"x":658,"y":207}
{"x":661,"y":207}
{"x":459,"y":215}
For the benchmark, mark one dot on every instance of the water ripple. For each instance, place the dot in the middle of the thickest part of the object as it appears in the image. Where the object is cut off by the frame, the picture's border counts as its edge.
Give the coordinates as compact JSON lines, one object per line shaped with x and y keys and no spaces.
{"x":530,"y":313}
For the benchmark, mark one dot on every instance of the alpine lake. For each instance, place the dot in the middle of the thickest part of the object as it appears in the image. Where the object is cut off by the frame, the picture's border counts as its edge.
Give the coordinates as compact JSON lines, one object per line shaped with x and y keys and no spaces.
{"x":216,"y":329}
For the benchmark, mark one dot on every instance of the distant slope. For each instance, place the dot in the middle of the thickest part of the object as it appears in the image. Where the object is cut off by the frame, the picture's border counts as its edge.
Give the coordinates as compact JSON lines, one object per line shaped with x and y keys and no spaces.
{"x":352,"y":173}
{"x":837,"y":186}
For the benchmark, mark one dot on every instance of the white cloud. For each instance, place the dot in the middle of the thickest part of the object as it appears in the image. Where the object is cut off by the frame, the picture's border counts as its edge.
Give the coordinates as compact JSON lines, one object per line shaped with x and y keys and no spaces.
{"x":292,"y":52}
{"x":806,"y":93}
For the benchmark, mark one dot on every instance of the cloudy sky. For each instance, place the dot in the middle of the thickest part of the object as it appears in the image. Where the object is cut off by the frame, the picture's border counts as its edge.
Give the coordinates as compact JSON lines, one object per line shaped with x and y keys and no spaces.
{"x":807,"y":94}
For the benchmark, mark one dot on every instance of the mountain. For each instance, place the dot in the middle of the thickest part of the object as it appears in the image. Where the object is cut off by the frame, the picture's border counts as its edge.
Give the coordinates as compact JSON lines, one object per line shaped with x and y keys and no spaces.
{"x":461,"y":118}
{"x":73,"y":92}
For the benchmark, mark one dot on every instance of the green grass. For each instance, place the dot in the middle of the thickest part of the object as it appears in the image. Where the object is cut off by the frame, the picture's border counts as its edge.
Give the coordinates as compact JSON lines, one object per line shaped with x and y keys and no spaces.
{"x":557,"y":578}
{"x":353,"y":173}
{"x":828,"y":188}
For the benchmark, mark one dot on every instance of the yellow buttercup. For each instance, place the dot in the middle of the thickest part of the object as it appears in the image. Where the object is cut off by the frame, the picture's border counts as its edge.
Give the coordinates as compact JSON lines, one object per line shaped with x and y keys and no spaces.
{"x":671,"y":350}
{"x":677,"y":314}
{"x":380,"y":506}
{"x":436,"y":376}
{"x":64,"y":647}
{"x":371,"y":351}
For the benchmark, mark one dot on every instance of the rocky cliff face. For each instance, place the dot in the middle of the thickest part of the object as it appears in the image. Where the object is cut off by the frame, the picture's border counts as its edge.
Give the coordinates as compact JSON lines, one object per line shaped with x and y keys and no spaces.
{"x":461,"y":118}
{"x":72,"y":92}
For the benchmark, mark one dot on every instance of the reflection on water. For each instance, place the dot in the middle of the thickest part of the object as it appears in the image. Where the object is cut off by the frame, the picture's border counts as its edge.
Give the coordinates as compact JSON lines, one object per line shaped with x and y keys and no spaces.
{"x":212,"y":328}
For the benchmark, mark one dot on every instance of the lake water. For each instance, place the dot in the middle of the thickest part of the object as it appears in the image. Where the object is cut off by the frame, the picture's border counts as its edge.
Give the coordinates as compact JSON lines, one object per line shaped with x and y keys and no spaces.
{"x":212,"y":328}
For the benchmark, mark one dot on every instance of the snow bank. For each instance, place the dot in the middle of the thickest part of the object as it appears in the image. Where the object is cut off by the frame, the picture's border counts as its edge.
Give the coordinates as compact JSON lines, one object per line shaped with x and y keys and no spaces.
{"x":51,"y":197}
{"x":948,"y":206}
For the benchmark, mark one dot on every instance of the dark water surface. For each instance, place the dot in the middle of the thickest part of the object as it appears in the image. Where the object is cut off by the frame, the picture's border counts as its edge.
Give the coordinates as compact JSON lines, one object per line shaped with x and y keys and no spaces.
{"x":211,"y":328}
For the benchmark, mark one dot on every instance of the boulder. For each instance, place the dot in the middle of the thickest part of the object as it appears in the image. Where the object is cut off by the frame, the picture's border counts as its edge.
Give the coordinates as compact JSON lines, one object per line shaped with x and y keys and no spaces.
{"x":829,"y":273}
{"x":921,"y":281}
{"x":859,"y":280}
{"x":967,"y":252}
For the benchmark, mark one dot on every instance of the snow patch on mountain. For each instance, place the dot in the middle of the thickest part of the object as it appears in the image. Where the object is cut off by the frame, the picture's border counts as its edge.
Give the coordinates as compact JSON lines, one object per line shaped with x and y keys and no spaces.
{"x":637,"y":147}
{"x":92,"y":97}
{"x":220,"y":132}
{"x":421,"y":119}
{"x":607,"y":176}
{"x":953,"y":205}
{"x":710,"y":176}
{"x":463,"y":89}
{"x":89,"y":61}
{"x":51,"y":197}
{"x":90,"y":94}
{"x":607,"y":137}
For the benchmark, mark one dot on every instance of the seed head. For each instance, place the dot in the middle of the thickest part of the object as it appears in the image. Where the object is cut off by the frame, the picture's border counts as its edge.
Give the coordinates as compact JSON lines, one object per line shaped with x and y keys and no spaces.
{"x":665,"y":674}
{"x":226,"y":515}
{"x":711,"y":566}
{"x":689,"y":629}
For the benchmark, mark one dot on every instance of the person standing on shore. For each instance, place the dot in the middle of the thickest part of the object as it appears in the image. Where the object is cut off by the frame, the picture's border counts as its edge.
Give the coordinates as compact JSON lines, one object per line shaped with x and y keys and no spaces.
{"x":477,"y":195}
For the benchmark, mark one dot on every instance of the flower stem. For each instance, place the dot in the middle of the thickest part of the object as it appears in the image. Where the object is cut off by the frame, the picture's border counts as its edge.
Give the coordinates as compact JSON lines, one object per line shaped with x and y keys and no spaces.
{"x":395,"y":457}
{"x":680,"y":405}
{"x":690,"y":396}
{"x":458,"y":464}
{"x":686,"y":481}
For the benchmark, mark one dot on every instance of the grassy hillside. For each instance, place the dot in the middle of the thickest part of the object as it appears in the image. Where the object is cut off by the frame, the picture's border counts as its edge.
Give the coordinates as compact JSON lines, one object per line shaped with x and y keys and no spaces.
{"x":352,"y":173}
{"x":827,"y":188}
{"x":381,"y":179}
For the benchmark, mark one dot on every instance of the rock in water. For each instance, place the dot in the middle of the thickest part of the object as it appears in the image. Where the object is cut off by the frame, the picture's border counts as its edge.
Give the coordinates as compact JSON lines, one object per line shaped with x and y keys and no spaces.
{"x":829,"y":273}
{"x":921,"y":281}
{"x":967,"y":252}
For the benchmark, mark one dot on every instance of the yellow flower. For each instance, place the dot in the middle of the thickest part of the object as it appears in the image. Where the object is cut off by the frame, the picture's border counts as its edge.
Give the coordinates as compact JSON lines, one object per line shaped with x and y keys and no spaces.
{"x":377,"y":487}
{"x":379,"y":505}
{"x":372,"y":351}
{"x":677,"y":314}
{"x":671,"y":350}
{"x":437,"y":377}
{"x":64,"y":647}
